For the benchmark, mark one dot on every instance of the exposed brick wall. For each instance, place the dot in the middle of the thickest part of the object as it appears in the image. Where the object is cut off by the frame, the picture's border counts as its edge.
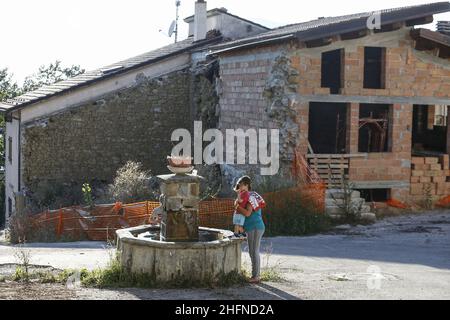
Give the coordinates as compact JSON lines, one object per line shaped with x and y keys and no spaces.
{"x":244,"y":78}
{"x":429,"y":178}
{"x":90,"y":142}
{"x":409,"y":72}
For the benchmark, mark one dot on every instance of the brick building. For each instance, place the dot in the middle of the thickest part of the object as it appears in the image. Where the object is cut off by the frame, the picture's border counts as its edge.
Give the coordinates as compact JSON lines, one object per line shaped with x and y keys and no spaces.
{"x":369,"y":104}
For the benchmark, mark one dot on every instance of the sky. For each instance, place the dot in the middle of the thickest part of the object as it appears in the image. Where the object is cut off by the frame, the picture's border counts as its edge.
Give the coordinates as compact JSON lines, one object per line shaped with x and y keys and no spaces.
{"x":95,"y":33}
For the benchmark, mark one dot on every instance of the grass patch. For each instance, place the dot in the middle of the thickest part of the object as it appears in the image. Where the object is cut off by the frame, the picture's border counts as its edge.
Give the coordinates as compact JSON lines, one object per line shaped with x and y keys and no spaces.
{"x":21,"y":275}
{"x":114,"y":276}
{"x":271,"y":274}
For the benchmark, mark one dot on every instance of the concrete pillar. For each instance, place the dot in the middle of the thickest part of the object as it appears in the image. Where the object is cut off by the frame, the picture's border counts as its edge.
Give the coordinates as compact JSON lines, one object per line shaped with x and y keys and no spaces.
{"x":303,"y":122}
{"x":352,"y":127}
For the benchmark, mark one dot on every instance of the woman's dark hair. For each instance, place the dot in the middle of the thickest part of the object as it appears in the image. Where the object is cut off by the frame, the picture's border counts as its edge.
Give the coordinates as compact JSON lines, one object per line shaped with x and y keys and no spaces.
{"x":245,"y":180}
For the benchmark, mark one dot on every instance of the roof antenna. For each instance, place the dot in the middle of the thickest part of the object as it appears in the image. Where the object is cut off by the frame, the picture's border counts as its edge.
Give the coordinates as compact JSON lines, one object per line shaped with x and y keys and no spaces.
{"x":177,"y":4}
{"x":173,"y":29}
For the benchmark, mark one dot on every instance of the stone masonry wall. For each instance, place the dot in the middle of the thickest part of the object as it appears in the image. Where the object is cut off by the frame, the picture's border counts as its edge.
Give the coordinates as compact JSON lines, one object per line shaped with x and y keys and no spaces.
{"x":409,"y":73}
{"x":90,"y":142}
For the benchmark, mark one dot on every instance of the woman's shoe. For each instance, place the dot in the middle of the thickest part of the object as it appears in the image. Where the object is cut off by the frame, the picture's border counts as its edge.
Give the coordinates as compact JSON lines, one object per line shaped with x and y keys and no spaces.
{"x":255,"y":280}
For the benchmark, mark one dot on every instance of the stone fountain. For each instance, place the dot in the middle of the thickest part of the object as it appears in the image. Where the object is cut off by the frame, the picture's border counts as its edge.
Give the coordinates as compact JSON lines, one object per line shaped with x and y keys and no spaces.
{"x":177,"y":248}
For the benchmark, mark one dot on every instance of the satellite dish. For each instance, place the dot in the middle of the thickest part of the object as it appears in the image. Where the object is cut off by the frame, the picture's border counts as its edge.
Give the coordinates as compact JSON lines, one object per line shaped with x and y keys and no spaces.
{"x":172,"y":28}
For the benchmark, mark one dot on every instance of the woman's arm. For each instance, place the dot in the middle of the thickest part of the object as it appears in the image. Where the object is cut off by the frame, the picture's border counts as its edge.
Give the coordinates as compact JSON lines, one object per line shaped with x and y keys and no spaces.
{"x":247,"y":211}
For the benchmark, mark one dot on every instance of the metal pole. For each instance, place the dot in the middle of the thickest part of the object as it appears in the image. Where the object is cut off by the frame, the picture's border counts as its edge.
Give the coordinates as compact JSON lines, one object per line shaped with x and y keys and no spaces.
{"x":177,"y":3}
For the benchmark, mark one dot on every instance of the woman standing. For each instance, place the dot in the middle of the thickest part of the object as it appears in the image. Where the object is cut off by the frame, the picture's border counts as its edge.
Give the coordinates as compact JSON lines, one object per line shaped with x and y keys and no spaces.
{"x":253,"y":226}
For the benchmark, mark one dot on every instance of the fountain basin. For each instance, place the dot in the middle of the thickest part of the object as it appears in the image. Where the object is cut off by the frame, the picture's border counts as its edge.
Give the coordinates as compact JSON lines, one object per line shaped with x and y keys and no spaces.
{"x":215,"y":254}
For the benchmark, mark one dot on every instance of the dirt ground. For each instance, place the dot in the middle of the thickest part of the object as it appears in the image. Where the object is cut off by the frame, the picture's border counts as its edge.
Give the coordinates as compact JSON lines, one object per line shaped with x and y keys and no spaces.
{"x":406,"y":257}
{"x":17,"y":291}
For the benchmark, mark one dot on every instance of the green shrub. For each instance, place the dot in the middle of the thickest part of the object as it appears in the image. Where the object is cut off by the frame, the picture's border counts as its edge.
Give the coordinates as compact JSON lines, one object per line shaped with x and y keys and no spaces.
{"x":87,"y":194}
{"x":131,"y":184}
{"x":289,"y":212}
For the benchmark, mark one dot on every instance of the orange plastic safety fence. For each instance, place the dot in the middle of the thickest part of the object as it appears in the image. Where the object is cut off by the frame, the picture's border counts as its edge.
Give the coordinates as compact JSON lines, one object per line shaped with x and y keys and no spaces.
{"x":444,"y":203}
{"x":217,"y":213}
{"x":101,"y":221}
{"x":397,"y":204}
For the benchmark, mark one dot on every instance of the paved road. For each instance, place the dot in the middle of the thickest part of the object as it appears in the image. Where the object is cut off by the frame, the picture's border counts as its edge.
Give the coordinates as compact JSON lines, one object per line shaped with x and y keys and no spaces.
{"x":398,"y":258}
{"x":406,"y":257}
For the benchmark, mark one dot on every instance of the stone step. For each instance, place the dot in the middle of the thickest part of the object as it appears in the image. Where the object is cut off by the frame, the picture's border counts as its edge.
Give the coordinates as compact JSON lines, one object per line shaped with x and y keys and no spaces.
{"x":333,"y":210}
{"x":336,"y":210}
{"x":339,"y":194}
{"x":338,"y":202}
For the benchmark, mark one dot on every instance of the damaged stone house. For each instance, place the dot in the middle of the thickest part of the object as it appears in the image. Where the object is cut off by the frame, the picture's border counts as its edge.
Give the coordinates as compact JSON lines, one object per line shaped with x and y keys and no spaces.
{"x":85,"y":128}
{"x":358,"y":103}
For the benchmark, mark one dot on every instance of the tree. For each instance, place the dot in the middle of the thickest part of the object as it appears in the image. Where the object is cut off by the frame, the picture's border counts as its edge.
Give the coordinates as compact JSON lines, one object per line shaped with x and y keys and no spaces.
{"x":8,"y":88}
{"x":50,"y":74}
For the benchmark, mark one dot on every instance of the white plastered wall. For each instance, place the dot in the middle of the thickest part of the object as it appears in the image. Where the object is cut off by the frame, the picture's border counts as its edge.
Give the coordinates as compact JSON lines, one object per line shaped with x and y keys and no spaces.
{"x":11,"y":167}
{"x":70,"y":99}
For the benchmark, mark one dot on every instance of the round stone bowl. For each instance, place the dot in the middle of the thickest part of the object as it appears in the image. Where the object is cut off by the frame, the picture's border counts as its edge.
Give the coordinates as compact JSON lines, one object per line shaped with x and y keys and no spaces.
{"x":215,"y":255}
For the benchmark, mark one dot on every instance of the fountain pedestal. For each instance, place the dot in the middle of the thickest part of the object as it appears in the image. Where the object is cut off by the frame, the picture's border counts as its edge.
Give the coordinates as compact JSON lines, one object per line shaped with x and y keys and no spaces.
{"x":178,"y":250}
{"x":179,"y":203}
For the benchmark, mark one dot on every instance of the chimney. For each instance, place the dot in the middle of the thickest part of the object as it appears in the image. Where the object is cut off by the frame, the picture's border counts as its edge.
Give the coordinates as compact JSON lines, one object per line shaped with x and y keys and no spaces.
{"x":200,"y":19}
{"x":444,"y":27}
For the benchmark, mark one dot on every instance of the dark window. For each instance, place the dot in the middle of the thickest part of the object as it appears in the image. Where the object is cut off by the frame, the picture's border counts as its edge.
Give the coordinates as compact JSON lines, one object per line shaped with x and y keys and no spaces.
{"x":375,"y":195}
{"x":332,"y":70}
{"x":327,"y":127}
{"x":9,"y":206}
{"x":375,"y":128}
{"x":429,"y":129}
{"x":374,"y":67}
{"x":10,"y":149}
